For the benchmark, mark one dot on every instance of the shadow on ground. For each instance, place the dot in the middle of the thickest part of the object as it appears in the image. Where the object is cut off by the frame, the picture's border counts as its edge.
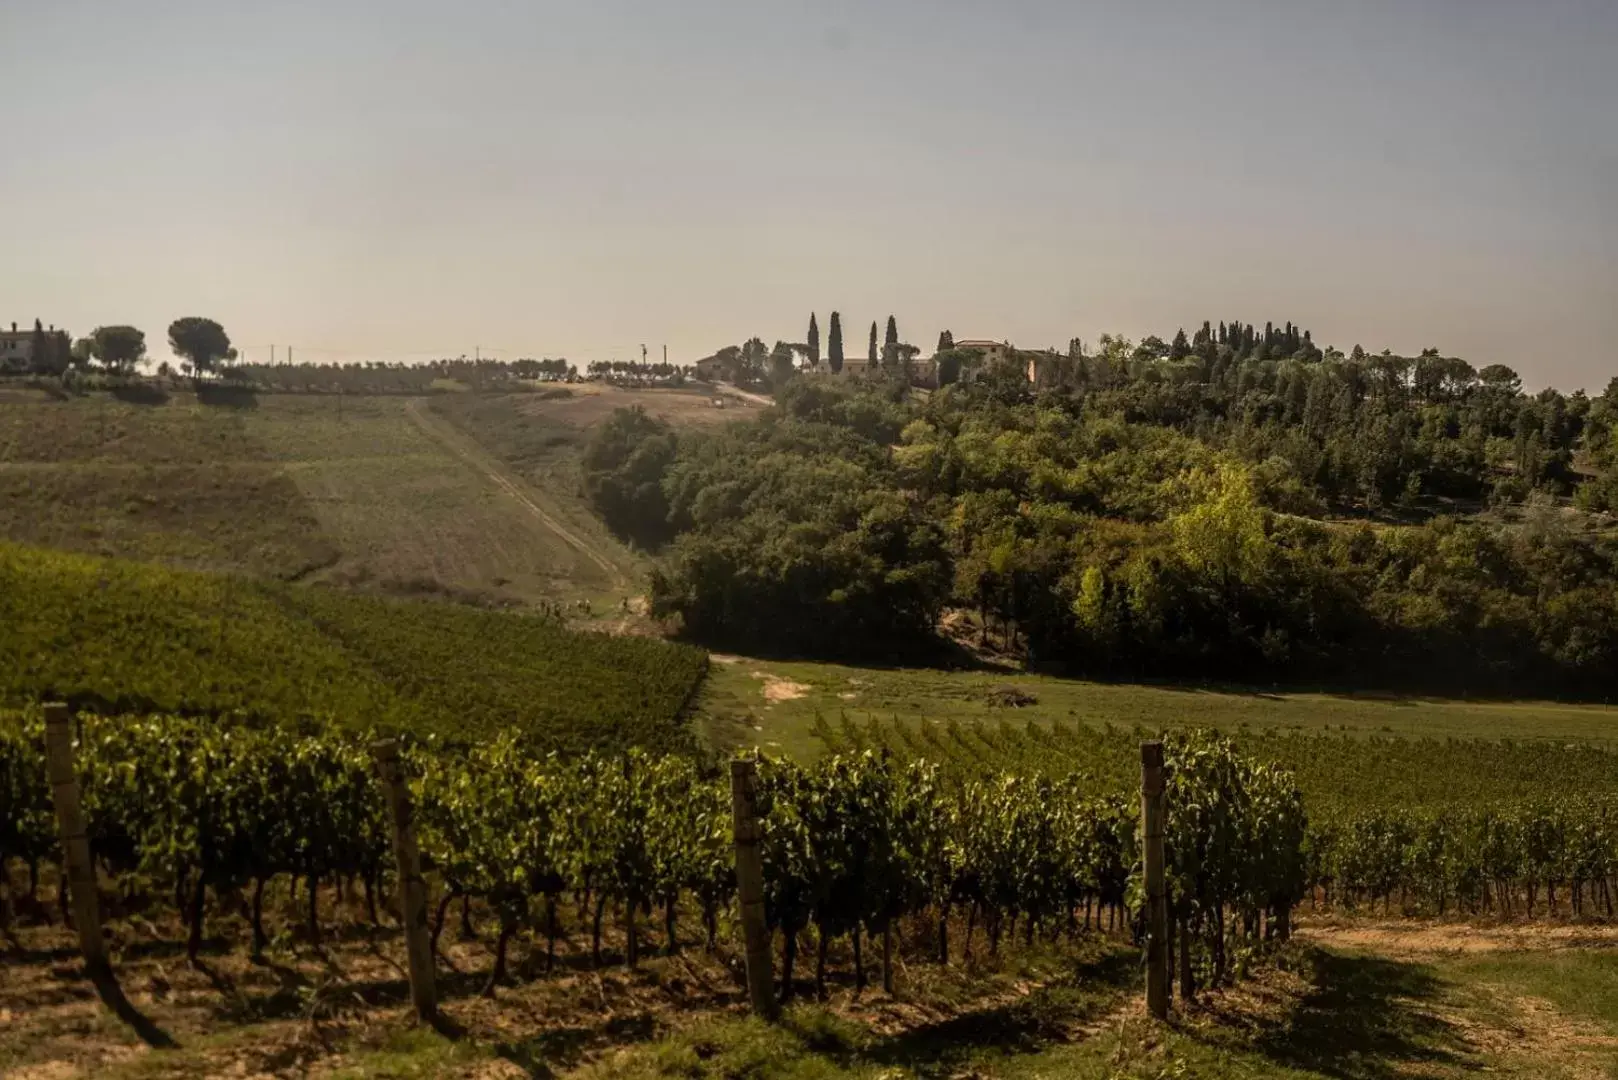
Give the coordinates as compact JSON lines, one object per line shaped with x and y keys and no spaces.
{"x":226,"y":395}
{"x":140,"y":393}
{"x":1365,"y":1018}
{"x":1051,"y":1014}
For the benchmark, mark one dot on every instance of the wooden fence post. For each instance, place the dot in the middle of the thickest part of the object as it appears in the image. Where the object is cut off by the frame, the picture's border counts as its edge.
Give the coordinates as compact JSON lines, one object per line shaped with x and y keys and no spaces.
{"x":1157,"y":922}
{"x":750,"y":886}
{"x":80,"y":871}
{"x":412,"y":887}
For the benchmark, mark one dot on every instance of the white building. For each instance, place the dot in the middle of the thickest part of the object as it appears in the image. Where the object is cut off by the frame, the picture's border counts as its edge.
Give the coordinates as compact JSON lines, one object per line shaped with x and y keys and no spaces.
{"x":16,"y":348}
{"x":993,"y":351}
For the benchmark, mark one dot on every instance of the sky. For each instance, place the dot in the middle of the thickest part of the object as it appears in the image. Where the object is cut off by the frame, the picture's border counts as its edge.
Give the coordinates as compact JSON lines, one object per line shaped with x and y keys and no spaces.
{"x":397,"y":179}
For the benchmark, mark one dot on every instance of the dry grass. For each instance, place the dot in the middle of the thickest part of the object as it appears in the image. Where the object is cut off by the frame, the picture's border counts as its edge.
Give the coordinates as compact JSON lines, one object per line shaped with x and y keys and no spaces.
{"x":1429,"y":938}
{"x":348,"y":490}
{"x":180,"y":482}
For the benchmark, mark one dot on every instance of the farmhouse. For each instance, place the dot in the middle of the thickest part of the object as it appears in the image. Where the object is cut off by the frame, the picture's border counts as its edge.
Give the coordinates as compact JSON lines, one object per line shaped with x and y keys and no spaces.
{"x":993,"y":351}
{"x":37,"y":350}
{"x":16,"y":348}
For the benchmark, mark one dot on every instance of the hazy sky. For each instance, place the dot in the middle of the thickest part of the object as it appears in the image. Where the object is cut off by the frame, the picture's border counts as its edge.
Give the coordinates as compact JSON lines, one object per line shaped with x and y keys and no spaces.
{"x":395,"y":177}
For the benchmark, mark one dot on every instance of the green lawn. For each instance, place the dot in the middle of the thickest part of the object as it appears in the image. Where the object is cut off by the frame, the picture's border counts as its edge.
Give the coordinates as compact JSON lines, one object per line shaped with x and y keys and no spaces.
{"x":775,"y":704}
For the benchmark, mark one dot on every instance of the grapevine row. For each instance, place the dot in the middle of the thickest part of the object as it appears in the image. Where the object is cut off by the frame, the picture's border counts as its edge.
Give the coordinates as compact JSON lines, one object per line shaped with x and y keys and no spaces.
{"x":1509,"y":860}
{"x":850,"y":846}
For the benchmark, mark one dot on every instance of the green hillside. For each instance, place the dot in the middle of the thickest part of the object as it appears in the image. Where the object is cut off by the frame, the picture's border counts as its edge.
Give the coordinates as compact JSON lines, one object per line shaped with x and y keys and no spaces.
{"x":121,"y":636}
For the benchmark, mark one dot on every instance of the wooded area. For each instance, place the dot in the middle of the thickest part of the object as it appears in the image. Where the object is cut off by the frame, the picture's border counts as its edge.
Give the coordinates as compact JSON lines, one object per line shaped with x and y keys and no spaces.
{"x":1237,"y":503}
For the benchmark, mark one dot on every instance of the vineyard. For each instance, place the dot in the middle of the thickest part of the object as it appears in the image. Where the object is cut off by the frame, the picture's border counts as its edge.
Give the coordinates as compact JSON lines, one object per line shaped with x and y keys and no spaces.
{"x":129,"y":638}
{"x":180,"y":811}
{"x":1462,"y":825}
{"x":546,"y":871}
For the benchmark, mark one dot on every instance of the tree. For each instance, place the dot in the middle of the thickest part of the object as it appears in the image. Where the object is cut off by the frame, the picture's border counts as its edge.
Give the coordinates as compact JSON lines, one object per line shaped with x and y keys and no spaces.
{"x":202,"y":343}
{"x":1181,"y":348}
{"x":83,"y":352}
{"x":1500,"y":377}
{"x":623,"y":465}
{"x":949,"y":366}
{"x":870,"y":352}
{"x":1151,"y":347}
{"x":750,"y":362}
{"x":782,"y":365}
{"x":118,"y":348}
{"x":813,"y":341}
{"x":890,"y":346}
{"x":834,"y":344}
{"x":946,"y":341}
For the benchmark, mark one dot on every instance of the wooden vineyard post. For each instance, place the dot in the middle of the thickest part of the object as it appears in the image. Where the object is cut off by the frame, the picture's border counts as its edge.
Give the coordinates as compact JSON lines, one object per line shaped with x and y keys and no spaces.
{"x":750,"y":886}
{"x":76,"y":864}
{"x":1157,"y":922}
{"x":412,"y":887}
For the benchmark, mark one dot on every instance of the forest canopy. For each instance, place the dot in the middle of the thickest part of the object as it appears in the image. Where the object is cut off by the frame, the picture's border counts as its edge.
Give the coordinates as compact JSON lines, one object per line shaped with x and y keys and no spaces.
{"x":1236,"y":503}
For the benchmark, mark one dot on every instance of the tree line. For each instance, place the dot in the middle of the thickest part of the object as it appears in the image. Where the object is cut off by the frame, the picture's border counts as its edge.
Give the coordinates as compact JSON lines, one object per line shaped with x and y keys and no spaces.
{"x":1193,"y":509}
{"x":753,"y":365}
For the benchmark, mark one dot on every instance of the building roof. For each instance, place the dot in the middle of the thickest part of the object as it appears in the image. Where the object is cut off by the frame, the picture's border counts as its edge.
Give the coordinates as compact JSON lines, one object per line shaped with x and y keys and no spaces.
{"x":981,"y":343}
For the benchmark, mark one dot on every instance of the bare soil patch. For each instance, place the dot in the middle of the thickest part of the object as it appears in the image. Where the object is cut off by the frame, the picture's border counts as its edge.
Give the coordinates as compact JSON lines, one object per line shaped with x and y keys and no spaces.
{"x":777,"y":689}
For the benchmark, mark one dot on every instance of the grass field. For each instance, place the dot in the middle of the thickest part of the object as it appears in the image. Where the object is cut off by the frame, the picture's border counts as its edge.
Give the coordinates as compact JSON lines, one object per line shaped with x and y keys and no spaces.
{"x":179,"y":482}
{"x":130,"y":637}
{"x":776,"y":703}
{"x":375,"y":492}
{"x":408,"y":512}
{"x":540,"y":436}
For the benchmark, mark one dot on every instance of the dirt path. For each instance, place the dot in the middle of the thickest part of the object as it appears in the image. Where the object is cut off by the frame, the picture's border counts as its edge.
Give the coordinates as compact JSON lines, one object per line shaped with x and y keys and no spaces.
{"x":1418,"y":938}
{"x":735,"y":391}
{"x":462,"y":447}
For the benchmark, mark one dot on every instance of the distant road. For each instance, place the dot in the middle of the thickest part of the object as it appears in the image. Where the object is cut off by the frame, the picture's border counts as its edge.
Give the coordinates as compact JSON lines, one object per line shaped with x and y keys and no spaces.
{"x":733,"y":391}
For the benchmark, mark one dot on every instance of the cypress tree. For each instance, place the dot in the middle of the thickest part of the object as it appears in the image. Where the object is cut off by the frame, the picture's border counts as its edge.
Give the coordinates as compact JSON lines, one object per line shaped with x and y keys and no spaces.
{"x":834,"y":344}
{"x":813,"y":341}
{"x":890,"y":345}
{"x":870,"y":353}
